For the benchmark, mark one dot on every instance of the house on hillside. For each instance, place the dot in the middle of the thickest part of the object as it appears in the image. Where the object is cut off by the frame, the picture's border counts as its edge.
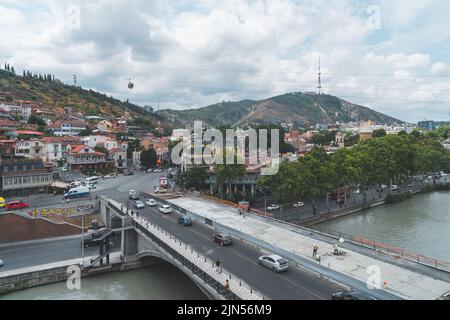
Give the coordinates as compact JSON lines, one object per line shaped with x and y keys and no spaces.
{"x":67,"y":127}
{"x":82,"y":157}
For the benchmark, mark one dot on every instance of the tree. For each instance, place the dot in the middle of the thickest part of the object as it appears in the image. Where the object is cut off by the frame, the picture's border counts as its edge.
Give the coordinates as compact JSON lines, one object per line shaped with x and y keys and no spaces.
{"x":378,"y":133}
{"x":193,"y":178}
{"x":148,"y":158}
{"x":86,"y":132}
{"x":226,"y":174}
{"x":101,"y":149}
{"x":34,"y":119}
{"x":133,"y":145}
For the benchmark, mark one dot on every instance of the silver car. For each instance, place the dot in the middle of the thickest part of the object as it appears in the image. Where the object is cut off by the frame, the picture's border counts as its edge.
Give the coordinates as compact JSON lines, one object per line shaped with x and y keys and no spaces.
{"x":274,"y":262}
{"x":139,"y":205}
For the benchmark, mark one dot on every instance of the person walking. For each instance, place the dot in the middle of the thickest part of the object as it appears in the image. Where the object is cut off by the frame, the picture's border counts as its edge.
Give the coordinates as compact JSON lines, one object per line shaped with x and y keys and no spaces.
{"x":227,"y":284}
{"x":336,"y":249}
{"x":315,"y":249}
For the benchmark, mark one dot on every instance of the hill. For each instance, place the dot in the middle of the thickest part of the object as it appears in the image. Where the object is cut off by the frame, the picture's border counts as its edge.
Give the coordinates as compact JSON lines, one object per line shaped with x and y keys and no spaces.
{"x":56,"y":96}
{"x":299,"y":108}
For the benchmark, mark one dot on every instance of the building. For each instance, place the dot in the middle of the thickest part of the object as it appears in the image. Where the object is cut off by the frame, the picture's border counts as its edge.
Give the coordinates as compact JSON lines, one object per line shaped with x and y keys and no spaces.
{"x":7,"y":149}
{"x":427,"y":125}
{"x":365,"y":131}
{"x":81,"y":158}
{"x":18,"y":111}
{"x":7,"y":125}
{"x":5,"y":115}
{"x":119,"y":156}
{"x":30,"y":149}
{"x":105,"y":125}
{"x":340,"y":140}
{"x":67,"y":127}
{"x":24,"y":177}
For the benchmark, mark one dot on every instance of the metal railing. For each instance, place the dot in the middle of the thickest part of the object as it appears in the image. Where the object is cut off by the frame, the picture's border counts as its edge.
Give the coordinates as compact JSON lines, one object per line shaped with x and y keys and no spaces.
{"x":201,"y":266}
{"x":389,"y":249}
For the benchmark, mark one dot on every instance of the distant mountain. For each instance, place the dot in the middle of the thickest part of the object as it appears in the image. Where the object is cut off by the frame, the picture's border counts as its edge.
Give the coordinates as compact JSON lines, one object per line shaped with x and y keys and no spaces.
{"x":56,"y":96}
{"x":297,"y":108}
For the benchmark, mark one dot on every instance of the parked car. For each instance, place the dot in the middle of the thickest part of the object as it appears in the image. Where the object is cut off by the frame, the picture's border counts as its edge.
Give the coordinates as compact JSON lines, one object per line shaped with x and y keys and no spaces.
{"x":139,"y":204}
{"x":274,"y":262}
{"x":2,"y":202}
{"x":185,"y":221}
{"x":64,"y":169}
{"x":351,"y":295}
{"x":273,"y":207}
{"x":165,"y":209}
{"x":150,"y":202}
{"x":394,"y":187}
{"x":149,"y":170}
{"x":161,"y":190}
{"x":223,"y":239}
{"x":298,"y":204}
{"x":1,"y":263}
{"x":132,"y":195}
{"x":14,"y":205}
{"x":128,"y":173}
{"x":158,"y":170}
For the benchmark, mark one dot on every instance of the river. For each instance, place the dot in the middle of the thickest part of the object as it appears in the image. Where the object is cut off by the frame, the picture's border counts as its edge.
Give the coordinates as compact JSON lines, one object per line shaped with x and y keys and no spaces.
{"x":420,"y":224}
{"x":157,"y":282}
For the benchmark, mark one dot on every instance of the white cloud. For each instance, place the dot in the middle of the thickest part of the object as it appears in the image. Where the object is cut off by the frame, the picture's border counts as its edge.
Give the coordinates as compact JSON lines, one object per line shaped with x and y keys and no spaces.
{"x":195,"y":53}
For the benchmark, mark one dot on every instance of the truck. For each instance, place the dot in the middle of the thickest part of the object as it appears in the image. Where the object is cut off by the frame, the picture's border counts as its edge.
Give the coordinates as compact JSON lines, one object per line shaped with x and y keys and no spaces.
{"x":78,"y":192}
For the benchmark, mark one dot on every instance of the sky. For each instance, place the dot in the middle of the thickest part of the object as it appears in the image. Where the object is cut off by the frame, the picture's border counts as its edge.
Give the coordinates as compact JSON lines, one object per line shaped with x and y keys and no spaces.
{"x":390,"y":55}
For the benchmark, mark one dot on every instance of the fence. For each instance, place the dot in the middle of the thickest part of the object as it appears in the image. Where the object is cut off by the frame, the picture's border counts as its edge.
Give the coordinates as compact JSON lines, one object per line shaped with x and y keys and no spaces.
{"x":389,"y":249}
{"x":203,"y":267}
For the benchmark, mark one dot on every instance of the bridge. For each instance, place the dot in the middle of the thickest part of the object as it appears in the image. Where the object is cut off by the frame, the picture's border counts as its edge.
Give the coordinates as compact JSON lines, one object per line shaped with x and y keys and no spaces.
{"x":148,"y":234}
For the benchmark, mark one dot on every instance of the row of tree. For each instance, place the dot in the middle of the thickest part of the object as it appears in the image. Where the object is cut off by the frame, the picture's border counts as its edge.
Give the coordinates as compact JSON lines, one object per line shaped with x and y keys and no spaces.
{"x":391,"y":159}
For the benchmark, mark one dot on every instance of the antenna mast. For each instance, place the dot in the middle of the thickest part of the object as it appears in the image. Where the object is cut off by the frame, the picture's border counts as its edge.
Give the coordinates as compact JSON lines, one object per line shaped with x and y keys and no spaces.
{"x":319,"y":81}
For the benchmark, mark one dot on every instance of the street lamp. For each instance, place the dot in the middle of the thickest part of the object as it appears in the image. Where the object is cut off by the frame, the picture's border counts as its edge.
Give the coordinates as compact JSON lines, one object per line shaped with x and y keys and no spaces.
{"x":82,"y":237}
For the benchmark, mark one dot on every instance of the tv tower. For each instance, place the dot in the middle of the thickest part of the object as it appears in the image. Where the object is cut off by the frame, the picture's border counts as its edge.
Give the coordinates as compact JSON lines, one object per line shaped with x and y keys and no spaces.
{"x":319,"y":81}
{"x":75,"y":80}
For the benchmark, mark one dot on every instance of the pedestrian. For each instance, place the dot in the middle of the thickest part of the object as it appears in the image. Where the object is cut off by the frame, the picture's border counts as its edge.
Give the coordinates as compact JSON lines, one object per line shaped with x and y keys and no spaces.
{"x":315,"y":249}
{"x":227,"y":284}
{"x":336,"y":249}
{"x":54,"y":193}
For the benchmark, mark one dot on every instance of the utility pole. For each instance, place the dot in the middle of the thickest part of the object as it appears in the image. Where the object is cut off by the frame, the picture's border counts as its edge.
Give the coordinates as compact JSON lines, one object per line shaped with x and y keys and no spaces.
{"x":82,"y":237}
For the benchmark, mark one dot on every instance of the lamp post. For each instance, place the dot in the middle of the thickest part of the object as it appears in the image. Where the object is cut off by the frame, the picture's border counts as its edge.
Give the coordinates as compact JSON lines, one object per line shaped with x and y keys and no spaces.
{"x":82,"y":237}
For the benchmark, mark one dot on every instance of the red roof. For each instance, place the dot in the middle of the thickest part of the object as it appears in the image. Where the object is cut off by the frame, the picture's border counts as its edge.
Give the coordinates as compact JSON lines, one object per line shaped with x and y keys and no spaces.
{"x":29,"y":132}
{"x":78,"y":148}
{"x":8,"y":123}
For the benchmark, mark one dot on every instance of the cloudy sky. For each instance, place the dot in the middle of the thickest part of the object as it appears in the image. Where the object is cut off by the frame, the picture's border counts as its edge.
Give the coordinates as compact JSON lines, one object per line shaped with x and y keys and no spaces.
{"x":390,"y":55}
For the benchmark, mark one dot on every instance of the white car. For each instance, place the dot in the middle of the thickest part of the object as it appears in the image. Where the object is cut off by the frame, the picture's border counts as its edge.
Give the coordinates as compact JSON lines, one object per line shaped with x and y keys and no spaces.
{"x":158,"y":170}
{"x":150,"y":202}
{"x":139,"y":205}
{"x":165,"y":209}
{"x":274,"y":262}
{"x":63,"y":169}
{"x":273,"y":207}
{"x":298,"y":204}
{"x":394,"y":187}
{"x":1,"y":263}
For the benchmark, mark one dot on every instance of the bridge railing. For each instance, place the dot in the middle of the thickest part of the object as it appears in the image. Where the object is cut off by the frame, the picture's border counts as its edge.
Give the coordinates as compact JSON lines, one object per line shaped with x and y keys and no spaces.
{"x":389,"y":249}
{"x":203,"y":267}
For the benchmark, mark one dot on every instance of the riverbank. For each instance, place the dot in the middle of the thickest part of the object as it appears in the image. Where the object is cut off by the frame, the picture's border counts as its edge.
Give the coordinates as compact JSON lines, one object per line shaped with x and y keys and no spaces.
{"x":420,"y":224}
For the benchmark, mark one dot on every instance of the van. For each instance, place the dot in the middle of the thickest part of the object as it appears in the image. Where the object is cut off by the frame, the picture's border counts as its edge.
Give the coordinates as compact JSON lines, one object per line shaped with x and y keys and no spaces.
{"x":78,"y":192}
{"x":92,"y":179}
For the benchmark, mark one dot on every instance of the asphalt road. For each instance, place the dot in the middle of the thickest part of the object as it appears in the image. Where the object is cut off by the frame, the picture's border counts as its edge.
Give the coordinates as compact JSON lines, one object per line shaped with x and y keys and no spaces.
{"x":23,"y":255}
{"x":242,"y":260}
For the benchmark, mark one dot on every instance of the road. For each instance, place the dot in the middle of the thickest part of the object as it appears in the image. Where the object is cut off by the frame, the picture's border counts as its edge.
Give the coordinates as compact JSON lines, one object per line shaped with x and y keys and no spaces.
{"x":242,"y":260}
{"x":23,"y":255}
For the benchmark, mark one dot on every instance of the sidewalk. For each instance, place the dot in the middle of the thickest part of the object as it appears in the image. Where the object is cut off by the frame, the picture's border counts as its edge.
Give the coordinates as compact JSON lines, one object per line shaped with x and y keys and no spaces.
{"x":400,"y":281}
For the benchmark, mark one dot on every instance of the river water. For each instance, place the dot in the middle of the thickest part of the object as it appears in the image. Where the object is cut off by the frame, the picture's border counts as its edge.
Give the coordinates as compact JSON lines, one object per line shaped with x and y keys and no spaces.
{"x":157,"y":282}
{"x":420,"y":224}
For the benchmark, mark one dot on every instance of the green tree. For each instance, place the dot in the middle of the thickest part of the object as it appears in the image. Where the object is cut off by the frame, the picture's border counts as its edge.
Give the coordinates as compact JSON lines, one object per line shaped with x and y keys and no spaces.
{"x":378,"y":133}
{"x":148,"y":158}
{"x":34,"y":119}
{"x":193,"y":178}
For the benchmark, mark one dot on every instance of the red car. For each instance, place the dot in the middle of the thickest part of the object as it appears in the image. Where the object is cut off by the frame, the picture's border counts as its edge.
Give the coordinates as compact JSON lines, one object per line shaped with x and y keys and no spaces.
{"x":17,"y":205}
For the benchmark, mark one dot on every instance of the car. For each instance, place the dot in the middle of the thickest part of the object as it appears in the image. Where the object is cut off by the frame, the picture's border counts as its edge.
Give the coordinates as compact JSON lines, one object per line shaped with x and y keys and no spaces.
{"x":274,"y":262}
{"x":273,"y":207}
{"x":14,"y":205}
{"x":1,"y":263}
{"x":165,"y":209}
{"x":149,"y":170}
{"x":92,"y":186}
{"x":298,"y":204}
{"x":158,"y":170}
{"x":223,"y":239}
{"x":128,"y":173}
{"x":394,"y":187}
{"x":2,"y":202}
{"x":133,"y":195}
{"x":64,"y":169}
{"x":161,"y":190}
{"x":351,"y":295}
{"x":139,"y":204}
{"x":185,"y":221}
{"x":151,"y":202}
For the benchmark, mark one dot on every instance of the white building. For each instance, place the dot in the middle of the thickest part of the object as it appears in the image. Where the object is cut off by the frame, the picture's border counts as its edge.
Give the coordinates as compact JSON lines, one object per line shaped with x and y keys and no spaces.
{"x":19,"y":111}
{"x":30,"y":149}
{"x":67,"y":127}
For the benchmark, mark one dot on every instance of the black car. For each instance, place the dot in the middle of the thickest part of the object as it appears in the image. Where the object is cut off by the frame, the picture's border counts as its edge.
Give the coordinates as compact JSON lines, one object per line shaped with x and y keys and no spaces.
{"x":223,"y":239}
{"x":351,"y":295}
